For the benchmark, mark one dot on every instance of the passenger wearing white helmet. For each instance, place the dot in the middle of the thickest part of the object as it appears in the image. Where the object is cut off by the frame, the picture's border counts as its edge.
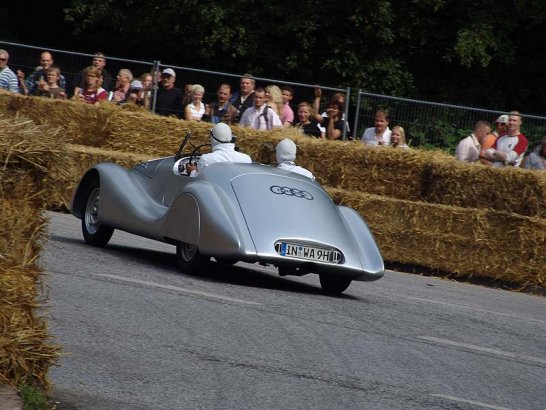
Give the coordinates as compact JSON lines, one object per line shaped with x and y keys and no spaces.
{"x":223,"y":150}
{"x":286,"y":155}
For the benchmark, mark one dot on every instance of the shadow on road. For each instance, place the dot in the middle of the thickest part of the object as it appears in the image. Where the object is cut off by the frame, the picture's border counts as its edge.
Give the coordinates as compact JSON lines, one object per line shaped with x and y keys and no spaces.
{"x":247,"y":275}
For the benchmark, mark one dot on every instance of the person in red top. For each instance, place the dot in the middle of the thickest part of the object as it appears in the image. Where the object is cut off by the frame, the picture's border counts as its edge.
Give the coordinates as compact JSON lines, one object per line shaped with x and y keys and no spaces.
{"x":509,"y":149}
{"x":92,"y":93}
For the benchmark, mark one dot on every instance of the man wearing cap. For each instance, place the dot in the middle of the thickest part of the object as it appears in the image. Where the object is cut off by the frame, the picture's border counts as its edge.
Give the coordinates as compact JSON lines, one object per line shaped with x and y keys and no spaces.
{"x":509,"y":149}
{"x":223,"y":150}
{"x":170,"y":100}
{"x":286,"y":155}
{"x":501,"y":125}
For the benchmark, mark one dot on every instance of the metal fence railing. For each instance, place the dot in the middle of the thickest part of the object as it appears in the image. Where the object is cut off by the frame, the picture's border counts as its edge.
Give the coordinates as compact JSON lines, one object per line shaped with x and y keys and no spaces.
{"x":435,"y":125}
{"x":427,"y":124}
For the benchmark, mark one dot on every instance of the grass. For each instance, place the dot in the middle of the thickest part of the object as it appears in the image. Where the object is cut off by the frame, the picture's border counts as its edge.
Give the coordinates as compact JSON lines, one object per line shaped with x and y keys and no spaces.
{"x":35,"y":398}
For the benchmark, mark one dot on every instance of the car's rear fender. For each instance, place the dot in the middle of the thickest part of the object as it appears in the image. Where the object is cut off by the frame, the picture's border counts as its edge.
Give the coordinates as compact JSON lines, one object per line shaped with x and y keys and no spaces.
{"x":205,"y":216}
{"x":370,"y":256}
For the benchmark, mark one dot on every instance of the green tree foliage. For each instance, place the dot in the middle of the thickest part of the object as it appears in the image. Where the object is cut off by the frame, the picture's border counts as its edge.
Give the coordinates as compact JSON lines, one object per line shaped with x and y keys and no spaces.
{"x":479,"y":52}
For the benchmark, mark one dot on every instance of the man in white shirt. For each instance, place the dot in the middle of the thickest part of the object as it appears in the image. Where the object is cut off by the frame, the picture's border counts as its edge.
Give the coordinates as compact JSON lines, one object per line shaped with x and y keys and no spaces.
{"x":380,"y":134}
{"x":286,"y":155}
{"x":223,"y":150}
{"x":468,"y":149}
{"x":260,"y":116}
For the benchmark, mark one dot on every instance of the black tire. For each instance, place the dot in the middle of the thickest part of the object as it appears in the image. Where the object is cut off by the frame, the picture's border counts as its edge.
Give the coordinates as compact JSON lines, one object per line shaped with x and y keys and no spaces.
{"x":334,"y":284}
{"x":225,"y":261}
{"x":94,"y":232}
{"x":189,"y":260}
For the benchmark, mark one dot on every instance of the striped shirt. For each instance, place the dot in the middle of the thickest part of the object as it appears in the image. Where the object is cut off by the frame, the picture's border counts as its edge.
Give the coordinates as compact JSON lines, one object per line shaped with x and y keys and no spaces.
{"x":8,"y":80}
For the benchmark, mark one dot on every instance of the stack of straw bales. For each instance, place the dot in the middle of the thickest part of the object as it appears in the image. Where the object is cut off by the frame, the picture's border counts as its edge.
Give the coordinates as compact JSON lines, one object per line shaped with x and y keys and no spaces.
{"x":424,"y":207}
{"x":27,"y":153}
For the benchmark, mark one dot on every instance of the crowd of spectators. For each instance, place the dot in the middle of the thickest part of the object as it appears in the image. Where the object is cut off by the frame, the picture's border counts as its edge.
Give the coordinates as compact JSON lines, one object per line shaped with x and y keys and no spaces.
{"x":259,"y":108}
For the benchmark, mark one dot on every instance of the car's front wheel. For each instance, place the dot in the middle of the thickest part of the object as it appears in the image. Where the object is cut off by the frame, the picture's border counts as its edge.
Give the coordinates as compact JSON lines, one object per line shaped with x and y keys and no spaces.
{"x":189,"y":259}
{"x":94,"y":231}
{"x":334,"y":284}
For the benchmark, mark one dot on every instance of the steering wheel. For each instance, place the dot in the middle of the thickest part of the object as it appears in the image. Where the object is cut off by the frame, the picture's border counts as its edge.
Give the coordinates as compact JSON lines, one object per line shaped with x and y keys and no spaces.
{"x":181,"y":148}
{"x":196,"y":152}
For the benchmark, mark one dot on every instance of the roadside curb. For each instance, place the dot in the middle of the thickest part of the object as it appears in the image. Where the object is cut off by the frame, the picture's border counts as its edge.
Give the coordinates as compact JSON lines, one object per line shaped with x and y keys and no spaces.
{"x":9,"y":398}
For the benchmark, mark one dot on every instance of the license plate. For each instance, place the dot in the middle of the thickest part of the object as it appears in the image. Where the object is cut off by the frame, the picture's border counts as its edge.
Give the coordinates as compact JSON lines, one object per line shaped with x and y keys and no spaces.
{"x":308,"y":252}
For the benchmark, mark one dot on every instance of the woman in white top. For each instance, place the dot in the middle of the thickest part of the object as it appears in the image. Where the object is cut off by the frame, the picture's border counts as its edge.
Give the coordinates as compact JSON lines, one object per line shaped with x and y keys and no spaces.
{"x":196,"y":109}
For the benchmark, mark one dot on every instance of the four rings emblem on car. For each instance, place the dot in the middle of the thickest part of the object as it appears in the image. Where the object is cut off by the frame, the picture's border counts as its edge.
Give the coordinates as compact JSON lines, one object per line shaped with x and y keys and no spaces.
{"x":284,"y":190}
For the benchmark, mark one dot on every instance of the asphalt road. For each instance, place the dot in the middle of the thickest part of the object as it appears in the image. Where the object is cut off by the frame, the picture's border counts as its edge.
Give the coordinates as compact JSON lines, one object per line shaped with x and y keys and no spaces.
{"x":137,"y":334}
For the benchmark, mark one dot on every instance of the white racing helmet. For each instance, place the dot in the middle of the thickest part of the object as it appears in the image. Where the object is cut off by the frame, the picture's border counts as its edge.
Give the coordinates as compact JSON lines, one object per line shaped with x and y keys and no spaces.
{"x":286,"y":151}
{"x":220,"y":134}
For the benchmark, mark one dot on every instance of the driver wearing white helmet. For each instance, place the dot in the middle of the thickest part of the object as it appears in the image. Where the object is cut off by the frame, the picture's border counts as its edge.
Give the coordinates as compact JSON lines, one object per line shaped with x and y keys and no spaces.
{"x":223,"y":150}
{"x":286,"y":154}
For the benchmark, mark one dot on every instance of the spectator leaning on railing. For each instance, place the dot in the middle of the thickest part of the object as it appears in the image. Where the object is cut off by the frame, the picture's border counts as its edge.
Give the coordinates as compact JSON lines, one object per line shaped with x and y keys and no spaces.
{"x":307,"y":123}
{"x":49,"y":87}
{"x":92,"y":92}
{"x":170,"y":100}
{"x":501,"y":128}
{"x":122,"y":92}
{"x":380,"y":134}
{"x":31,"y":84}
{"x":333,"y":123}
{"x":99,"y":62}
{"x":537,"y":158}
{"x":196,"y":108}
{"x":244,"y":98}
{"x":221,"y":110}
{"x":509,"y":149}
{"x":287,"y":116}
{"x":8,"y":79}
{"x":260,"y":116}
{"x":398,"y":137}
{"x":469,"y":148}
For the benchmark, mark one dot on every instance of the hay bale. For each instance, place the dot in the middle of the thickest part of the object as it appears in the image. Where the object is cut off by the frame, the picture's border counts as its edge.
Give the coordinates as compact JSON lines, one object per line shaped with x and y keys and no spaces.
{"x":27,"y":151}
{"x":454,"y":239}
{"x":415,"y":175}
{"x":32,"y":155}
{"x":81,"y":123}
{"x":79,"y":158}
{"x":26,"y":349}
{"x":509,"y":189}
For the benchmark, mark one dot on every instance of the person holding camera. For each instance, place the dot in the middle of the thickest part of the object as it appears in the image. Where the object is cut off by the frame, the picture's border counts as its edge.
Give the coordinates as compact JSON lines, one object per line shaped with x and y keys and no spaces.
{"x":222,"y":110}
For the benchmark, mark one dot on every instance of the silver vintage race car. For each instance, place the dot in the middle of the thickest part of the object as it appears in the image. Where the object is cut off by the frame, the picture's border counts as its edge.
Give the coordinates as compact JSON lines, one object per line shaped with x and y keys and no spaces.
{"x":233,"y":212}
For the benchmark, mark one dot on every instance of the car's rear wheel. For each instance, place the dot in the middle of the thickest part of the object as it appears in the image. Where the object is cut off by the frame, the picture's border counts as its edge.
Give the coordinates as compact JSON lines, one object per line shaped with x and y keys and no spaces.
{"x":94,"y":231}
{"x":189,"y":259}
{"x":334,"y":284}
